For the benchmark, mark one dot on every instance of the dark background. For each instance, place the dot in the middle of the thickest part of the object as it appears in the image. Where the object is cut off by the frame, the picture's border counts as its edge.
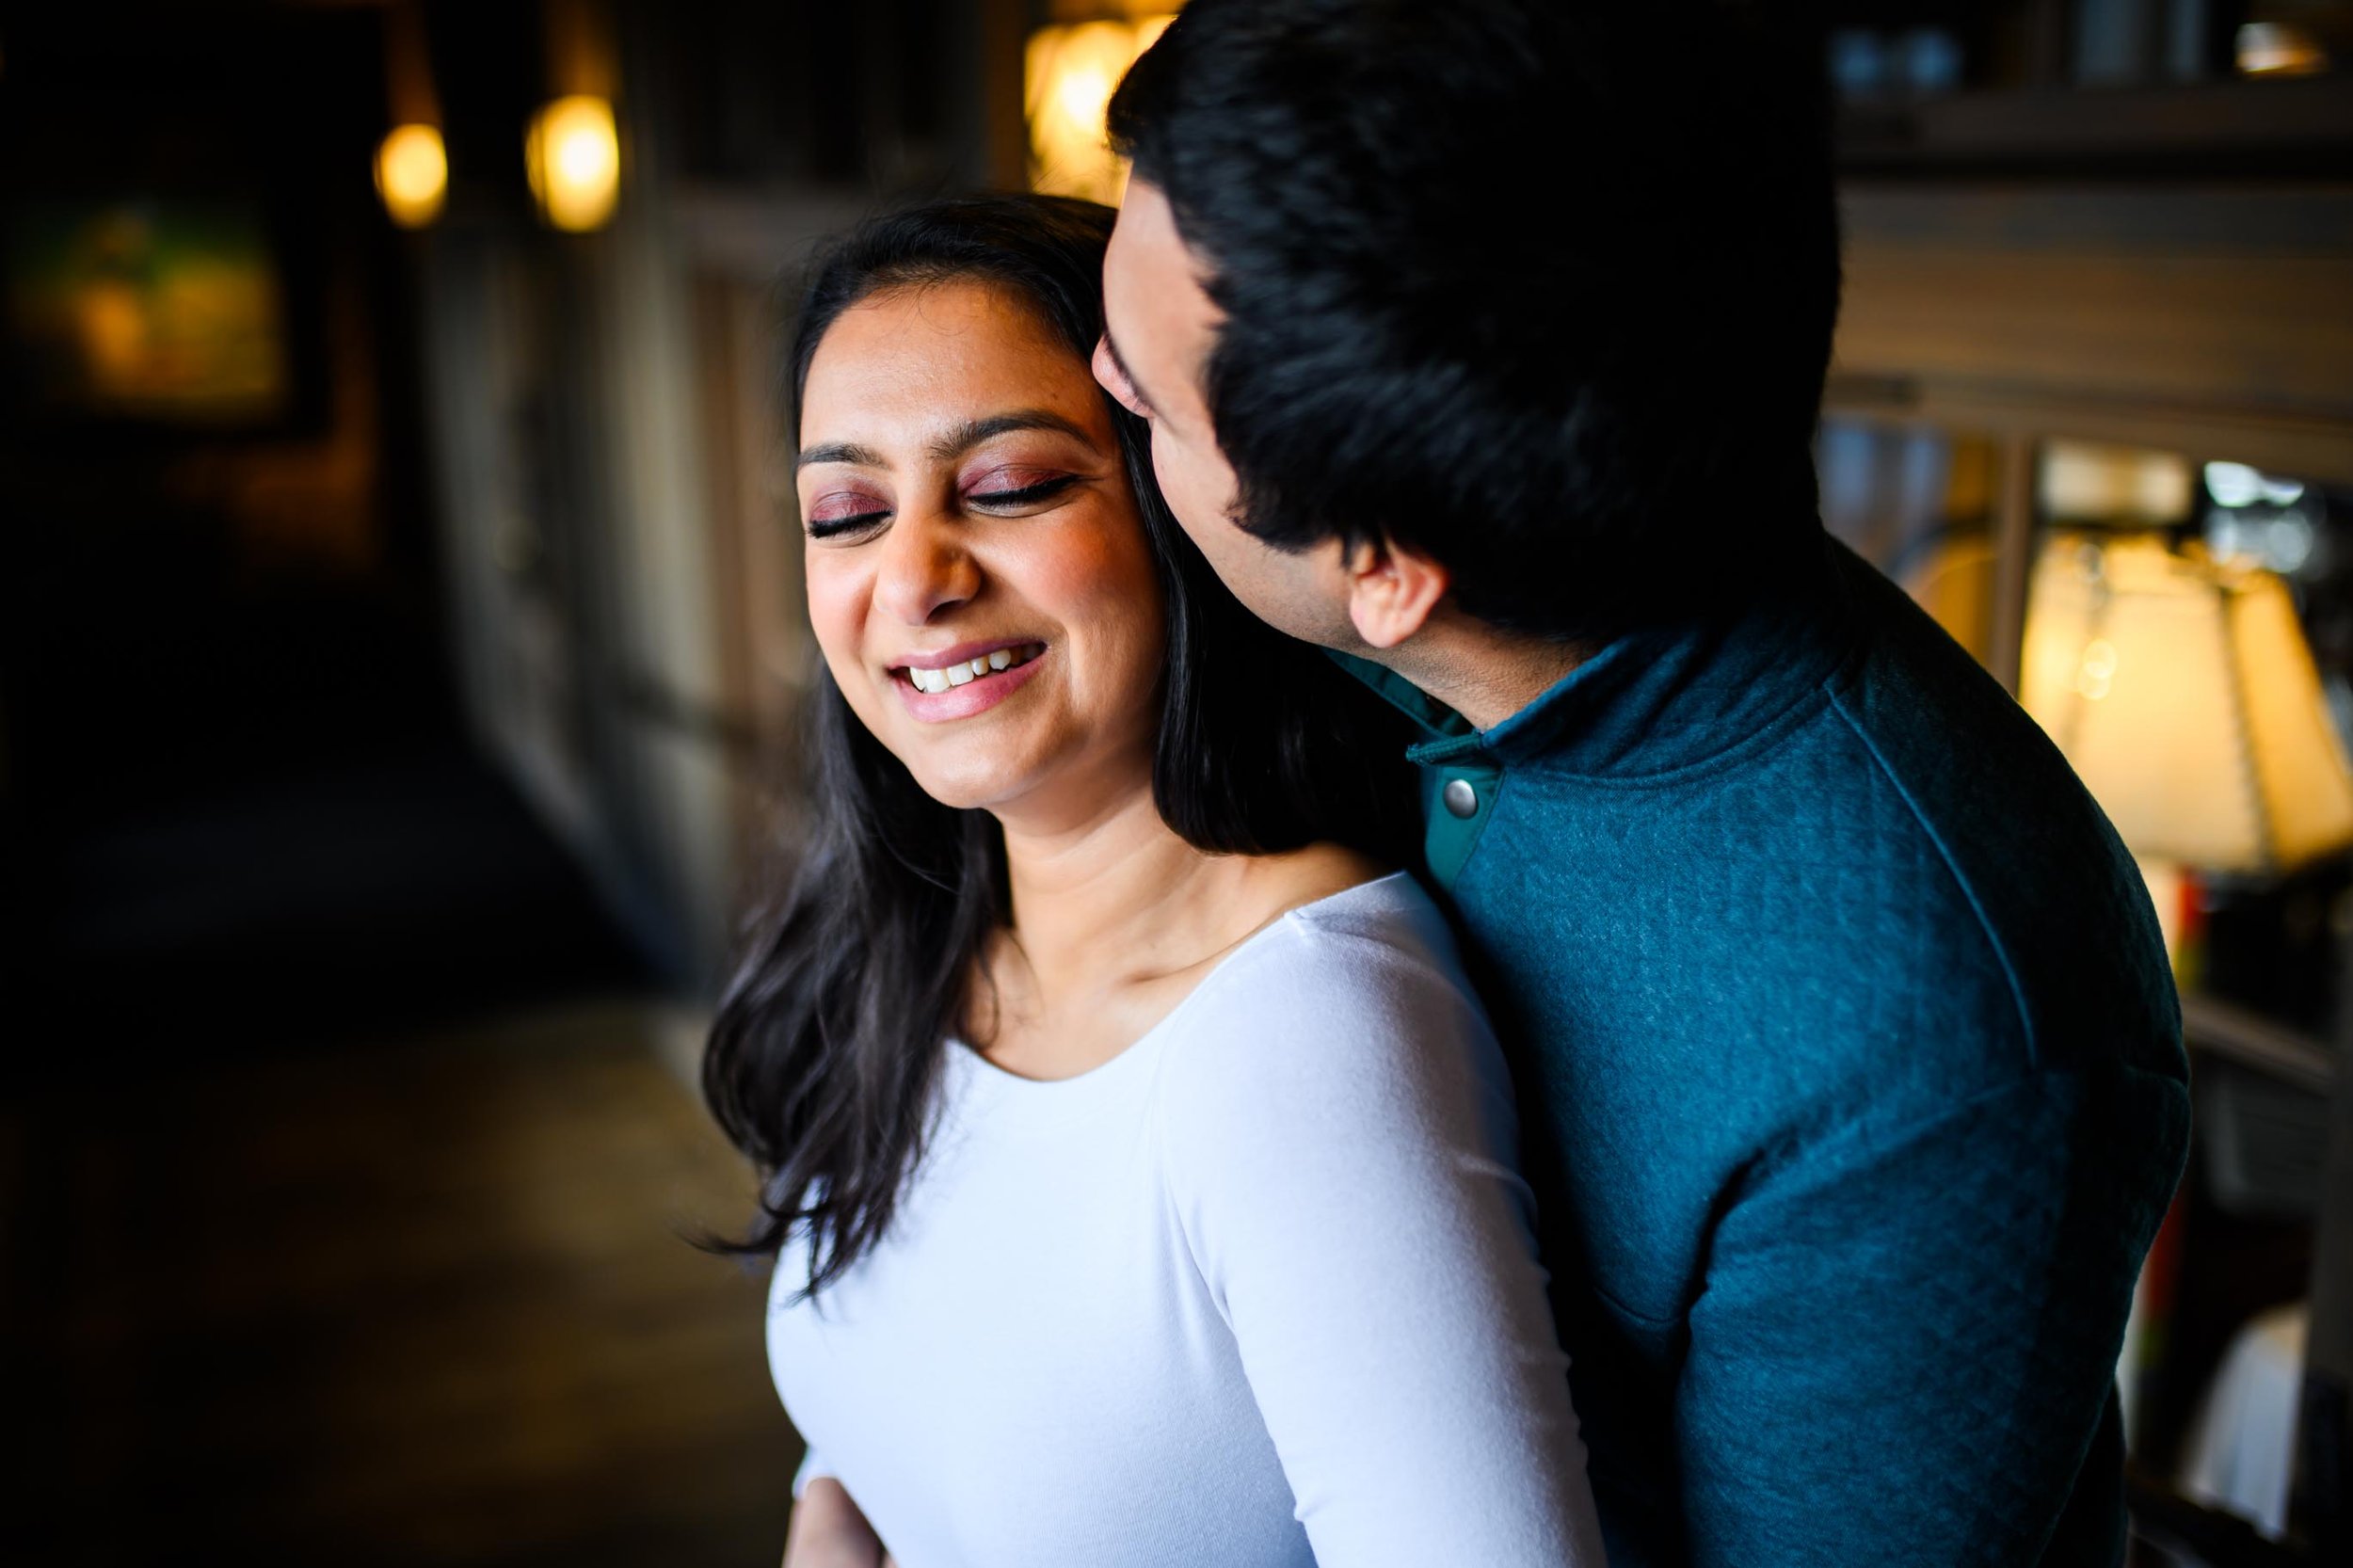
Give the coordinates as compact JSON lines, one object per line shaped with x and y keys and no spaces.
{"x":380,"y":772}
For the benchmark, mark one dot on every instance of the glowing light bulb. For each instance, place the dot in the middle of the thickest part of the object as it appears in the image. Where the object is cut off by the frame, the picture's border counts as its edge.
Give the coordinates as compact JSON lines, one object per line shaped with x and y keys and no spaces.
{"x":1071,"y":73}
{"x":412,"y":174}
{"x":572,"y":155}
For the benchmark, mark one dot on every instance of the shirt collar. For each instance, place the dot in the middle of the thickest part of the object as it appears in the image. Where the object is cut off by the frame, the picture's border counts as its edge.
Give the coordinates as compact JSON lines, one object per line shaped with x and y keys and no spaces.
{"x":1662,"y":699}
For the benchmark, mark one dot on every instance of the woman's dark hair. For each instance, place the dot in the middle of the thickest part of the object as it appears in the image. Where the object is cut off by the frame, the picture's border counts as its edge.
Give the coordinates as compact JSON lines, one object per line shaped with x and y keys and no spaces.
{"x":825,"y":1054}
{"x":1542,"y":289}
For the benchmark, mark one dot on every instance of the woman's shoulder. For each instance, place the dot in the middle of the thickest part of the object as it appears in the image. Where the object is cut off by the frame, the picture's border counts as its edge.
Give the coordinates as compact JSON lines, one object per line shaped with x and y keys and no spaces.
{"x":1353,"y":915}
{"x":1344,"y":1028}
{"x":1358,"y":986}
{"x":1331,"y":889}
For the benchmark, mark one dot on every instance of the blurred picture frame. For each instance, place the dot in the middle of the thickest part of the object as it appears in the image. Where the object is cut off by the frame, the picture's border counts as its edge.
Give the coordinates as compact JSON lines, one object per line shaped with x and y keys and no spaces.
{"x":172,"y":312}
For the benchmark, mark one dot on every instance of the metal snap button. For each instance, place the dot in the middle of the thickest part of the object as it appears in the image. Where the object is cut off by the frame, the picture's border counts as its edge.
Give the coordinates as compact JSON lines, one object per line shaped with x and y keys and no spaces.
{"x":1459,"y":798}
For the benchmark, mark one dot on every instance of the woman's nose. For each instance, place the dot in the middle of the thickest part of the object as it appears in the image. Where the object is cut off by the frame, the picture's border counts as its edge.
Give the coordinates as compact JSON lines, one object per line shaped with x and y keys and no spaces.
{"x":925,"y":567}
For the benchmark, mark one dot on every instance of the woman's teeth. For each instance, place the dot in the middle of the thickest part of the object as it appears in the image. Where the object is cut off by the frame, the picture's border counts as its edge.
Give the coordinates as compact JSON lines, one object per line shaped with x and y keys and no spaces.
{"x":972,"y":669}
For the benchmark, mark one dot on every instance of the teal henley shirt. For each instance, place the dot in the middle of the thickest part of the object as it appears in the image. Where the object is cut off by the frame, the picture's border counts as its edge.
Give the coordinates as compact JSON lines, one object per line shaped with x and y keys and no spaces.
{"x":1850,"y":1074}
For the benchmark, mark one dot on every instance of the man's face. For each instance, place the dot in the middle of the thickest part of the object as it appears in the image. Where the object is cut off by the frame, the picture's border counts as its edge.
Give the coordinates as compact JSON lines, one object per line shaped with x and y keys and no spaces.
{"x":1161,"y":327}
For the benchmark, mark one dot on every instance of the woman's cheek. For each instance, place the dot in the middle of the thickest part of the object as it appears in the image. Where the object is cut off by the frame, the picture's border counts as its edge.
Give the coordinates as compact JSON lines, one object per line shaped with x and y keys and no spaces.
{"x":1113,"y":583}
{"x":836,"y":615}
{"x":1080,"y":566}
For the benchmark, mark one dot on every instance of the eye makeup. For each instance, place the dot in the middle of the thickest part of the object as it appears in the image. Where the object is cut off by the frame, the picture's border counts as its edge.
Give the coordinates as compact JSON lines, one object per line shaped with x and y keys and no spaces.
{"x":996,"y":490}
{"x":837,"y":517}
{"x":832,"y":516}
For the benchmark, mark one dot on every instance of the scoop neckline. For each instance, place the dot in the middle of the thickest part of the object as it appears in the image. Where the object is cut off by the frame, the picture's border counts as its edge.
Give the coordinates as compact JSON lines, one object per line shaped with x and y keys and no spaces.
{"x":1136,"y":1047}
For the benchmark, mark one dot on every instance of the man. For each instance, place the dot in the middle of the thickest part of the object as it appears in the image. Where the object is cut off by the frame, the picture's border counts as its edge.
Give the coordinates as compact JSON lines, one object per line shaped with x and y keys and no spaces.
{"x":1483,"y":342}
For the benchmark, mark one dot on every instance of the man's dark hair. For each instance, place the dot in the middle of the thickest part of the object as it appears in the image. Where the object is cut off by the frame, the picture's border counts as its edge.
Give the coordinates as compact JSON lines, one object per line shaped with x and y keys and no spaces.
{"x":1542,"y":289}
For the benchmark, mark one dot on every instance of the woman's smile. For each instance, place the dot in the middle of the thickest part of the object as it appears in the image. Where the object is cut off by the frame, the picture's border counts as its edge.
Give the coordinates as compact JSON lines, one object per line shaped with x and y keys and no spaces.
{"x":958,"y":682}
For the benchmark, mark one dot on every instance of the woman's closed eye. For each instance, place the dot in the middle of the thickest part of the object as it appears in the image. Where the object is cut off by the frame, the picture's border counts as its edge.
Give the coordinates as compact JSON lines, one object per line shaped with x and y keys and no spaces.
{"x":836,"y":516}
{"x":1000,"y":492}
{"x":1011,"y":489}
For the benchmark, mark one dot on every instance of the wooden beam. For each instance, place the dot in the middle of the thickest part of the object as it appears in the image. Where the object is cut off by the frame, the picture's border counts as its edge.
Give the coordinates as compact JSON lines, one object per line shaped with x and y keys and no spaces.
{"x":2014,"y":557}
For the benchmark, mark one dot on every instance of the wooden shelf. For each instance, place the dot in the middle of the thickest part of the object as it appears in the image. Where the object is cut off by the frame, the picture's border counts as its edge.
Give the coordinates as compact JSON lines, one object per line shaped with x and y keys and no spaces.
{"x":2300,"y":127}
{"x":2221,"y":1029}
{"x":2205,"y":316}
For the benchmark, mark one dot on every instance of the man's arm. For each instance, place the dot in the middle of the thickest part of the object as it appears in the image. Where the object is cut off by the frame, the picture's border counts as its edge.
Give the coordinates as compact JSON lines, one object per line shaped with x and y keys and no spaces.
{"x":1908,"y":1335}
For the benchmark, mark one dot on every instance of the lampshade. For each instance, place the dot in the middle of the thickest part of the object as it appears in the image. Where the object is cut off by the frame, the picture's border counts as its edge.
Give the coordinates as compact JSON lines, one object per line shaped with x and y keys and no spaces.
{"x":2183,"y":692}
{"x":1069,"y":73}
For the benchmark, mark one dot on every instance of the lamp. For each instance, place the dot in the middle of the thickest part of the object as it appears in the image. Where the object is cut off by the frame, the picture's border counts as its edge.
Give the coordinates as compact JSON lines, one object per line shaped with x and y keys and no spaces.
{"x":411,"y":164}
{"x":573,"y":155}
{"x":1069,"y":73}
{"x":412,"y":174}
{"x":2182,"y":691}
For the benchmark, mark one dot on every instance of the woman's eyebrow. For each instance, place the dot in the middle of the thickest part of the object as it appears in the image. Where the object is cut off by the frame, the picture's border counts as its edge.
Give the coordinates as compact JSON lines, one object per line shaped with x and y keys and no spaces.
{"x":951,"y":443}
{"x":838,"y":451}
{"x":961,"y":438}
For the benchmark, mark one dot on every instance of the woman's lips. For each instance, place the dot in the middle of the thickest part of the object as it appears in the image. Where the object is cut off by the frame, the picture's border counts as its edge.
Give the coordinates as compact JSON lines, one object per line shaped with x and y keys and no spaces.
{"x":961,"y":665}
{"x":975,"y":695}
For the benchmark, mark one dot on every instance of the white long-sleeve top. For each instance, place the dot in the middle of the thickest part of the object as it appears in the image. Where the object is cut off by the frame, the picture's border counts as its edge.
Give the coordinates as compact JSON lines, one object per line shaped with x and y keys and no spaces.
{"x":1260,"y":1291}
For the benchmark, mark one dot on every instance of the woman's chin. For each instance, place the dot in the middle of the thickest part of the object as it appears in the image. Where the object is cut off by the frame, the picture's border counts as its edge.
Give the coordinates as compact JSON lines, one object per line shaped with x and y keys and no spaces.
{"x":1063,"y":784}
{"x":972,"y":786}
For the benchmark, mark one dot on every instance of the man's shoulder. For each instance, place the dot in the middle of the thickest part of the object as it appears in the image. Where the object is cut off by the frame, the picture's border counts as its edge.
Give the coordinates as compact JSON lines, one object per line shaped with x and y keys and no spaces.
{"x":2056,"y":893}
{"x":1907,"y":856}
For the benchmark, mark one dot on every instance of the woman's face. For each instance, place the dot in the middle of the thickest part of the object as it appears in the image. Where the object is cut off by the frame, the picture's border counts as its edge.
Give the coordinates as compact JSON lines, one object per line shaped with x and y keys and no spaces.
{"x":978,"y":573}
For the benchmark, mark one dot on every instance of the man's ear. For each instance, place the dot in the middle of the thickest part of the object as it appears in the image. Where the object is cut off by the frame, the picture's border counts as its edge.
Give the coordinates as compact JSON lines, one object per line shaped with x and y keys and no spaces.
{"x":1391,"y":591}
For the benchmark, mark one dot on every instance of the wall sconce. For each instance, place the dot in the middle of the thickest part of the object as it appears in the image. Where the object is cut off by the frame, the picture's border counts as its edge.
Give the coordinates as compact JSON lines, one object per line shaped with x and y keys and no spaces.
{"x":412,"y":174}
{"x":1069,"y":74}
{"x":572,"y":155}
{"x":411,"y":164}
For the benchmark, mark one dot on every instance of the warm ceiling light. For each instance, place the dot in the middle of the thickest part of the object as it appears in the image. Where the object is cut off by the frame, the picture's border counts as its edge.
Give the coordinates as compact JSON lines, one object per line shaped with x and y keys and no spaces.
{"x":574,"y":156}
{"x":412,"y":175}
{"x":1071,"y":73}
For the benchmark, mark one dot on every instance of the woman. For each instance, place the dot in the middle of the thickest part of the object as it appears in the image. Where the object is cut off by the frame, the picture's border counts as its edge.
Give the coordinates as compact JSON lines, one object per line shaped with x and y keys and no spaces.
{"x":1137,"y":1163}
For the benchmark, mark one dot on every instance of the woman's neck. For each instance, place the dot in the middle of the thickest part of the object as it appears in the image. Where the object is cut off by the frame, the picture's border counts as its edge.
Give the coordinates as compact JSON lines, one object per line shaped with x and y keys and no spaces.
{"x":1113,"y":897}
{"x":1115,"y":919}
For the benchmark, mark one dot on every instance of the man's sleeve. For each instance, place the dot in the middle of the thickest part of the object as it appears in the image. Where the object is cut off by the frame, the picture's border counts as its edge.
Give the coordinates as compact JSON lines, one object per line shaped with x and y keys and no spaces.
{"x":1908,"y":1335}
